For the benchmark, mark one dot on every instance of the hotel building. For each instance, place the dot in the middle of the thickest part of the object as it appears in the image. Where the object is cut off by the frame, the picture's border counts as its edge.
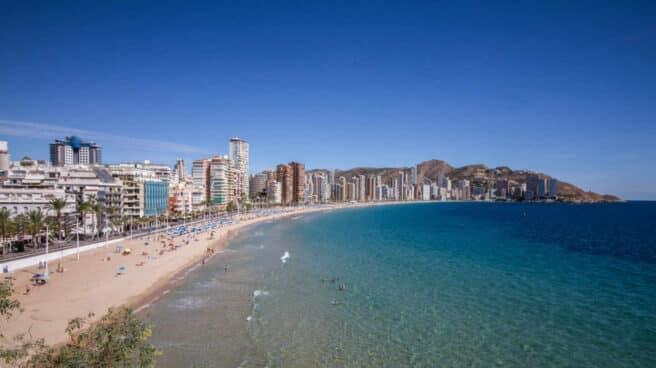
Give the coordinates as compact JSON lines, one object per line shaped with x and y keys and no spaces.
{"x":238,"y":153}
{"x":74,"y":151}
{"x":221,"y":182}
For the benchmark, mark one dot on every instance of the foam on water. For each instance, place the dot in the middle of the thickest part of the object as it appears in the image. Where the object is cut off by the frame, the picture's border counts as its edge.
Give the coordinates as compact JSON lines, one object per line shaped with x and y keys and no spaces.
{"x":257,"y":293}
{"x":191,"y":302}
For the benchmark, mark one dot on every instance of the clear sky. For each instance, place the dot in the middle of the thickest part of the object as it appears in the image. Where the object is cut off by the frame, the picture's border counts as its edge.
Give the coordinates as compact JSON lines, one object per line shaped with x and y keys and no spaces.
{"x":566,"y":88}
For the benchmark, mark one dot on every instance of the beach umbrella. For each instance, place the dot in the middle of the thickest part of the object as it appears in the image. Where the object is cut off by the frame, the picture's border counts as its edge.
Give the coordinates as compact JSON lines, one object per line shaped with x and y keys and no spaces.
{"x":122,"y":269}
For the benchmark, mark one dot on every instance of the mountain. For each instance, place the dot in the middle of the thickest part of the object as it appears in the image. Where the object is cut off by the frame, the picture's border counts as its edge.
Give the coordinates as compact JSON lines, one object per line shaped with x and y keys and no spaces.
{"x":477,"y":174}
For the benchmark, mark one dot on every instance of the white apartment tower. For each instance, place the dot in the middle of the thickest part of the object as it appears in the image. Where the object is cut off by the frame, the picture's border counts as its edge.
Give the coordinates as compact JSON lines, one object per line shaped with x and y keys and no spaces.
{"x":4,"y":156}
{"x":239,"y":162}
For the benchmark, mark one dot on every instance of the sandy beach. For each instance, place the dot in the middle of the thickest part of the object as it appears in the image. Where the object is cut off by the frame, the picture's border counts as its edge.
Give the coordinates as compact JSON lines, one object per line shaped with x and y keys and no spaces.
{"x":93,"y":284}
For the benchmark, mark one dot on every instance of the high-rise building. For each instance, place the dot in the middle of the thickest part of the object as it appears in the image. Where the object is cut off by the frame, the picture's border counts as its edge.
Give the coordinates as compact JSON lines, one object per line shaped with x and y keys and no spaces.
{"x":352,"y":192}
{"x":396,"y":192}
{"x":342,"y":195}
{"x":292,"y":181}
{"x":331,"y":177}
{"x":284,"y":177}
{"x":425,"y":192}
{"x":133,"y":176}
{"x":4,"y":157}
{"x":332,"y":185}
{"x":318,"y":184}
{"x":370,"y":190}
{"x":239,"y":160}
{"x":542,"y":188}
{"x":200,"y":174}
{"x":464,"y":190}
{"x":220,"y":181}
{"x":258,"y":183}
{"x":553,"y":188}
{"x":180,"y":170}
{"x":298,"y":182}
{"x":319,"y":187}
{"x":355,"y":189}
{"x":74,"y":151}
{"x":379,"y":188}
{"x":156,"y":196}
{"x":274,"y":192}
{"x":503,"y":188}
{"x":362,"y":188}
{"x":531,"y":191}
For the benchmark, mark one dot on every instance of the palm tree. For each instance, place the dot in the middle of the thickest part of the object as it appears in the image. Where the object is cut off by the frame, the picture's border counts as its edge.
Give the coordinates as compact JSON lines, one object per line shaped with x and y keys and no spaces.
{"x":83,"y":208}
{"x":91,"y":205}
{"x":98,"y":212}
{"x":5,"y":221}
{"x":57,"y":205}
{"x":111,"y":217}
{"x":35,"y":221}
{"x":18,"y":221}
{"x":118,"y":222}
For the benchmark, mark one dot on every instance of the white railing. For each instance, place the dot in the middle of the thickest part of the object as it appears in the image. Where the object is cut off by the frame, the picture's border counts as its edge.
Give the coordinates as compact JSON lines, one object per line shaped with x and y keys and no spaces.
{"x":34,"y":260}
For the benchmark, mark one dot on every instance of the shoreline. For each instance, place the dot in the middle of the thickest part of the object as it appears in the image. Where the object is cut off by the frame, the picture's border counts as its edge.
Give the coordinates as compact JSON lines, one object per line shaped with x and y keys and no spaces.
{"x":141,"y":303}
{"x":90,"y":286}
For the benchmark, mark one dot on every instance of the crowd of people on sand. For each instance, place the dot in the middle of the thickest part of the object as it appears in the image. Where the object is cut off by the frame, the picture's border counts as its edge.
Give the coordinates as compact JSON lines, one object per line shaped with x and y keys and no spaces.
{"x":169,"y":241}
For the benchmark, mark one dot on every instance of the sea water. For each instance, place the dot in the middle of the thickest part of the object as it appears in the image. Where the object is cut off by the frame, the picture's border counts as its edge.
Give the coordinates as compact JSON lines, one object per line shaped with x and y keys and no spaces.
{"x":424,"y":285}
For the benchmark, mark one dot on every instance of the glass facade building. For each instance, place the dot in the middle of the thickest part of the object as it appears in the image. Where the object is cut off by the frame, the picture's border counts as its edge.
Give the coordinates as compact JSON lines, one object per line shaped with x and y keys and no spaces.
{"x":156,"y":198}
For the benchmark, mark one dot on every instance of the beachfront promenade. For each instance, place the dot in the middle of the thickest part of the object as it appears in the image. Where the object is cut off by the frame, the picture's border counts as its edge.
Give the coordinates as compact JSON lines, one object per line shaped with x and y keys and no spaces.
{"x":58,"y":245}
{"x":14,"y":261}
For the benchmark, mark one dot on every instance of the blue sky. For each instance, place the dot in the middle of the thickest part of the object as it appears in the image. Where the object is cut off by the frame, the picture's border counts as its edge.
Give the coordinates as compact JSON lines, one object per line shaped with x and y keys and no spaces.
{"x":562,"y":88}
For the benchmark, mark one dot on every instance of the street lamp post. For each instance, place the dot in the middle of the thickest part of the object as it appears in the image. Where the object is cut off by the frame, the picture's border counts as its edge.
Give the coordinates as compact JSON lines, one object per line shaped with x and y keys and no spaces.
{"x":77,"y":239}
{"x":46,"y":273}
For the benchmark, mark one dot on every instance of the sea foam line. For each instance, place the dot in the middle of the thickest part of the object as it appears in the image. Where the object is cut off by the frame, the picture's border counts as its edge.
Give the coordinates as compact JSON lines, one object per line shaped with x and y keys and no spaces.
{"x":257,"y":293}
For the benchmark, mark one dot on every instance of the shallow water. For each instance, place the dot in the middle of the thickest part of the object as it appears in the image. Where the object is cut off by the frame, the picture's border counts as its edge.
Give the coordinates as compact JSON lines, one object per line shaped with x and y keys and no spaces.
{"x":443,"y":284}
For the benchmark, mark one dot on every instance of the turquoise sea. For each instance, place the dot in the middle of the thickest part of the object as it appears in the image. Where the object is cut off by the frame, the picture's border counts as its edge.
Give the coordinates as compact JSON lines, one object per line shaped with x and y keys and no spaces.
{"x":426,"y":285}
